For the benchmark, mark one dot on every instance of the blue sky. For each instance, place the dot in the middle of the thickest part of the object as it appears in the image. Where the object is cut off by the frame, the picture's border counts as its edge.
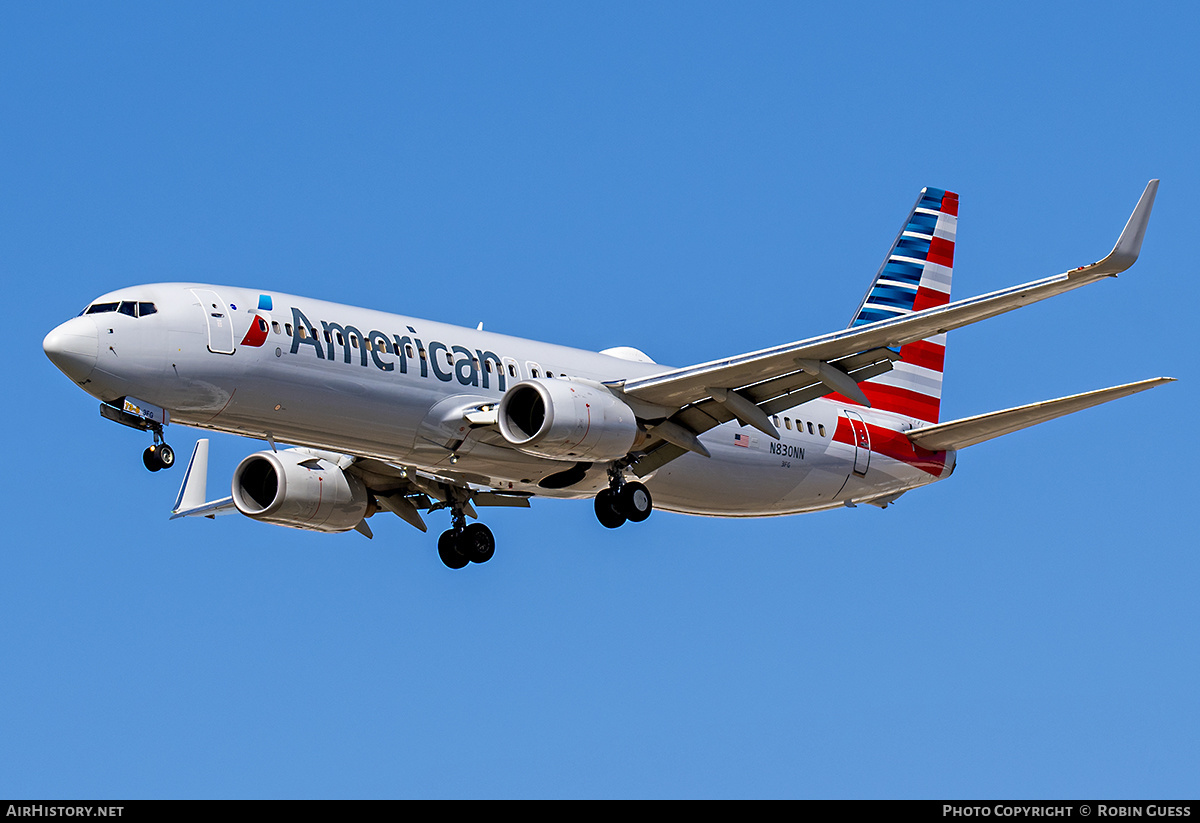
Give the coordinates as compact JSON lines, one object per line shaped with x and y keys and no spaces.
{"x":696,"y":180}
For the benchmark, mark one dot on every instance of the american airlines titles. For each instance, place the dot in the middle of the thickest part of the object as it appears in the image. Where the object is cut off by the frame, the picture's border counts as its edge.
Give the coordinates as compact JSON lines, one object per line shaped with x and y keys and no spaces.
{"x":469,"y":368}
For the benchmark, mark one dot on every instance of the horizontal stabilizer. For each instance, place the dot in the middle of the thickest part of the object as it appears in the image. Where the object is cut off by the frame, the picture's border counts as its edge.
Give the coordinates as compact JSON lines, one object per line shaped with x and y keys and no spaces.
{"x":958,"y":434}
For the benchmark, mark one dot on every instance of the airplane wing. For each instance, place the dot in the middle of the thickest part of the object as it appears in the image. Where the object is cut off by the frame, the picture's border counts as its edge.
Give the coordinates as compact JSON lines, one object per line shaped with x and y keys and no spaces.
{"x":958,"y":434}
{"x":821,"y":360}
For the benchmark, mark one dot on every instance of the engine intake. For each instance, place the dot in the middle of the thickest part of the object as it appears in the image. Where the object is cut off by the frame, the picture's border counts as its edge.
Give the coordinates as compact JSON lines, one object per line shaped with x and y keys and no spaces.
{"x":566,"y":420}
{"x":292,"y":488}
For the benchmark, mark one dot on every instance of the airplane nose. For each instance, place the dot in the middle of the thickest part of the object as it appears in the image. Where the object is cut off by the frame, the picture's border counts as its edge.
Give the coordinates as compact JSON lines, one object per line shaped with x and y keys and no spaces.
{"x":73,"y":347}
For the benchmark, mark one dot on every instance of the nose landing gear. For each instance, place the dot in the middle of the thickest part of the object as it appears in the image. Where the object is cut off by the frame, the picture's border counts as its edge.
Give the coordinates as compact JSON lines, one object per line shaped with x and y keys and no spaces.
{"x":158,"y":456}
{"x":148,"y":418}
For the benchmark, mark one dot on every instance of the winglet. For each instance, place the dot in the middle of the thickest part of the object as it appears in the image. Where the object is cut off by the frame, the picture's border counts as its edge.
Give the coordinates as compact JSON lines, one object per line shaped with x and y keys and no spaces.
{"x":1129,"y":244}
{"x":193,"y":491}
{"x":192,"y":500}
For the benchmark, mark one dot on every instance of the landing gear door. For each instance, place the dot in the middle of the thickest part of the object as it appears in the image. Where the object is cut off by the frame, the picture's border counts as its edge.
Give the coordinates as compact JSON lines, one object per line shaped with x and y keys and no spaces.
{"x":218,"y":319}
{"x":862,"y":443}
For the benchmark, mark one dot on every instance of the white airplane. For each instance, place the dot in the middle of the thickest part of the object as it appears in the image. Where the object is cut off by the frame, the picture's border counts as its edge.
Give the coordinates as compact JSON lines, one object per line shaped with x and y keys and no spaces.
{"x":408,"y":415}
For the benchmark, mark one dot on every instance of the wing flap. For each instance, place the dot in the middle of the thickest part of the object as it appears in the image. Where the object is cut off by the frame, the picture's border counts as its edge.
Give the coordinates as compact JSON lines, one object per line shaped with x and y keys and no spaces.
{"x":656,"y":458}
{"x":803,"y":386}
{"x":958,"y":434}
{"x":772,"y":397}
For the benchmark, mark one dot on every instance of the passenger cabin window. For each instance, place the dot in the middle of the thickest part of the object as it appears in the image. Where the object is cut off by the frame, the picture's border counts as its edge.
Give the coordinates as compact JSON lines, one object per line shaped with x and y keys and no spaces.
{"x":288,"y":328}
{"x":275,"y":326}
{"x":821,"y":429}
{"x":787,"y":421}
{"x":810,"y":428}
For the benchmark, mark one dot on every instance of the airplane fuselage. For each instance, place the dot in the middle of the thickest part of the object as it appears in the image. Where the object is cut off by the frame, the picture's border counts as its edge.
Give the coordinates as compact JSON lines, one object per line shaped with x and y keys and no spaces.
{"x":312,"y":373}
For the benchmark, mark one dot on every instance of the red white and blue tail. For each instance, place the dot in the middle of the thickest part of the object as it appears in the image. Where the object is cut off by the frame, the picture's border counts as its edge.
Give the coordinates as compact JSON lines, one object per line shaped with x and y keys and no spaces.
{"x":915,"y":276}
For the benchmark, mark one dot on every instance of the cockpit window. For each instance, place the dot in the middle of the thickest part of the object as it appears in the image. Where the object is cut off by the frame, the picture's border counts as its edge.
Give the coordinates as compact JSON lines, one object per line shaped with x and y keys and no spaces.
{"x":129,"y":307}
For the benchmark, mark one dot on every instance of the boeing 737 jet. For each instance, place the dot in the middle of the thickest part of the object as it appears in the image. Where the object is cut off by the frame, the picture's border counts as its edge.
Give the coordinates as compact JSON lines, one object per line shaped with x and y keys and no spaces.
{"x":387,"y":412}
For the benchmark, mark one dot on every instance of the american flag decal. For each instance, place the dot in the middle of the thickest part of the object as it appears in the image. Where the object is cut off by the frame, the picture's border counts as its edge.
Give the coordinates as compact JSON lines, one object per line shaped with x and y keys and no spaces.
{"x":741,"y":440}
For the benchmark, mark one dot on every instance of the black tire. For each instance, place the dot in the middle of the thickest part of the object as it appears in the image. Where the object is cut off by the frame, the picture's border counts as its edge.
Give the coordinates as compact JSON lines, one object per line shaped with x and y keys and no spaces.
{"x":448,"y":550}
{"x":166,"y":456}
{"x":476,"y":543}
{"x":607,"y":511}
{"x":635,"y":502}
{"x":150,"y":460}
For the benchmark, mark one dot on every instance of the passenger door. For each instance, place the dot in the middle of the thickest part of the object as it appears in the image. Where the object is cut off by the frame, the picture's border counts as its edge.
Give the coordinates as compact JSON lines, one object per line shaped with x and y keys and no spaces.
{"x":218,"y":319}
{"x":862,"y":443}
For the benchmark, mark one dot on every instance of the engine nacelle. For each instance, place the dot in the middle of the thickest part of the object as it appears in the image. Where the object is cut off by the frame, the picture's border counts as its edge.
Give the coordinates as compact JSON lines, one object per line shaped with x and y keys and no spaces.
{"x":300,"y":490}
{"x":565,"y":420}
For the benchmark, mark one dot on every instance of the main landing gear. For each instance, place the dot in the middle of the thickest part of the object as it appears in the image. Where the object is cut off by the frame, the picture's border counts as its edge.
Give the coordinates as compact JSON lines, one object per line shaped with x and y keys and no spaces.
{"x":622,"y":501}
{"x":462,"y":544}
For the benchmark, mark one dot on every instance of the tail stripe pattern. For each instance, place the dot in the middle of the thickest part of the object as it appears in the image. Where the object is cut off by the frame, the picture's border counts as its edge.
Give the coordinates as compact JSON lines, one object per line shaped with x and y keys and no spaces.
{"x":916,"y":275}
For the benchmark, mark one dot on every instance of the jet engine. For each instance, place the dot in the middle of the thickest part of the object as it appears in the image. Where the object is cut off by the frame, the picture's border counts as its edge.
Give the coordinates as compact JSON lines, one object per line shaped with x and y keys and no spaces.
{"x":300,"y":490}
{"x":566,"y":420}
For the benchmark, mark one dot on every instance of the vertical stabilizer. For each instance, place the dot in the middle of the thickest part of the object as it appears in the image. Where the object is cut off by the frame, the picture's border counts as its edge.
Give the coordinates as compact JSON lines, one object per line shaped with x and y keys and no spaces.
{"x":916,"y":275}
